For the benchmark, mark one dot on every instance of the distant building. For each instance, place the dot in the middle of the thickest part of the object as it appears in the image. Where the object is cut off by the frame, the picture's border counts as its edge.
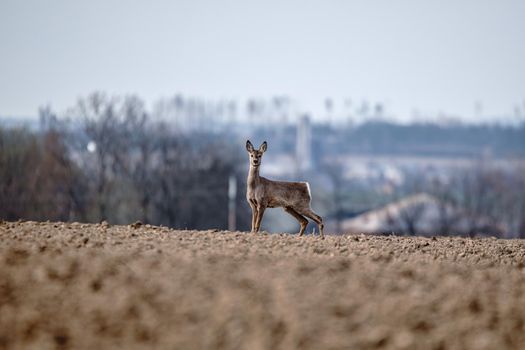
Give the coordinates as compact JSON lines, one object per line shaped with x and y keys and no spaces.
{"x":420,"y":214}
{"x":304,"y":144}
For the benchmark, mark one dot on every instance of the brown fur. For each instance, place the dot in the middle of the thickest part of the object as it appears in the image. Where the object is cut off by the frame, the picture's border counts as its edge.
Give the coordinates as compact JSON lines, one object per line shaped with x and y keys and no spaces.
{"x":262,"y":193}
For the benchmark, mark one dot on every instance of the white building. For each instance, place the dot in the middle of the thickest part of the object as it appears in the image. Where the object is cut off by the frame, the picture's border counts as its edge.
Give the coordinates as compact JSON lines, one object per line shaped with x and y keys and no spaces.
{"x":420,"y":214}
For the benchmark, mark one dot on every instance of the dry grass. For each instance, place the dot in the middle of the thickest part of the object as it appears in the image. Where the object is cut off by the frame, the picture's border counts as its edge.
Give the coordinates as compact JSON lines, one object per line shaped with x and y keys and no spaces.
{"x":85,"y":286}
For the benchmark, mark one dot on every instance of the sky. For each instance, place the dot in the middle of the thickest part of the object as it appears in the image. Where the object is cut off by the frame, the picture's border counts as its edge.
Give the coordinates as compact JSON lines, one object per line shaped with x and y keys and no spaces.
{"x":416,"y":57}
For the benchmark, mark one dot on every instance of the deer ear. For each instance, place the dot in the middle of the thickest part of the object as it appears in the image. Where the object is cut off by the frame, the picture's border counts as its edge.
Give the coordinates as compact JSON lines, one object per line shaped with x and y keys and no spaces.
{"x":249,"y":146}
{"x":263,"y":147}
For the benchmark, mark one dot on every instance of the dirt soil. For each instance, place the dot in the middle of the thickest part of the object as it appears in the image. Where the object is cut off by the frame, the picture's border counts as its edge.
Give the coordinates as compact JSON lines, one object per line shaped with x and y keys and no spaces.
{"x":83,"y":286}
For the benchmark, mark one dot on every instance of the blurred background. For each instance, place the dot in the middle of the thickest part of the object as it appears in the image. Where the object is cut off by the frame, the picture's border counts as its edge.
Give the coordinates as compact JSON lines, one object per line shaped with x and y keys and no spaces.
{"x":406,"y":117}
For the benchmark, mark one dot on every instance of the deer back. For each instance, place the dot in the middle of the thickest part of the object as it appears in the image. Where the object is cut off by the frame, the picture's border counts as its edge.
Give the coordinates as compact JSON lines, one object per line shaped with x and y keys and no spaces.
{"x":285,"y":194}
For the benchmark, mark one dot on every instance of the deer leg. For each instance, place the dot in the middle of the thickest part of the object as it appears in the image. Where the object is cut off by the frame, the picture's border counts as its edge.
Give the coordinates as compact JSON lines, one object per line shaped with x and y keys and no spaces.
{"x":254,"y":218}
{"x":309,"y":213}
{"x":302,"y":220}
{"x":254,"y":214}
{"x":260,"y":212}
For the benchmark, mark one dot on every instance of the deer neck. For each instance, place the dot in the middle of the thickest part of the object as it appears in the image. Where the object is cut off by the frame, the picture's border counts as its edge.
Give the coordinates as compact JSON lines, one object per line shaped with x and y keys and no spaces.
{"x":253,"y":176}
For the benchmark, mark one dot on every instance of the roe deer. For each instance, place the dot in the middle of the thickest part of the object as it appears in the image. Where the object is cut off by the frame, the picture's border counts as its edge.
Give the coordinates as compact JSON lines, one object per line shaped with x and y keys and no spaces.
{"x":262,"y":193}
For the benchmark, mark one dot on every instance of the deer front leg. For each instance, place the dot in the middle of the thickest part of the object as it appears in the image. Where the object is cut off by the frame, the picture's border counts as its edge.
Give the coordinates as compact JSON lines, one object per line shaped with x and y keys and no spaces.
{"x":254,"y":217}
{"x":254,"y":214}
{"x":260,"y":213}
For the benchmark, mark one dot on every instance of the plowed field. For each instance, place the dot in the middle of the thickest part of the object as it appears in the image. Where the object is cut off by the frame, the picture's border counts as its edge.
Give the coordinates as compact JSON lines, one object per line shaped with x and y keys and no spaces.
{"x":83,"y":286}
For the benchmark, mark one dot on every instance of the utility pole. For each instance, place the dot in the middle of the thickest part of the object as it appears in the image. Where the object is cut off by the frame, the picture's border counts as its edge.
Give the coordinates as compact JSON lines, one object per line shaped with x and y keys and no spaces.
{"x":232,"y":194}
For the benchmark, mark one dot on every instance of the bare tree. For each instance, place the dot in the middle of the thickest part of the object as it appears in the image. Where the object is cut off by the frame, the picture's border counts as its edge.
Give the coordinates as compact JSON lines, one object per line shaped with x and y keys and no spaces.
{"x":190,"y":182}
{"x":409,"y":218}
{"x":411,"y":207}
{"x":103,"y":128}
{"x":61,"y":182}
{"x":139,"y":152}
{"x":19,"y":152}
{"x":38,"y":179}
{"x":448,"y":214}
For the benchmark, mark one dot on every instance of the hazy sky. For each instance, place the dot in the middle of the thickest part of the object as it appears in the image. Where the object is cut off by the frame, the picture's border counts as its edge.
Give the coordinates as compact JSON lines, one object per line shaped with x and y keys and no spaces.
{"x":431,"y":56}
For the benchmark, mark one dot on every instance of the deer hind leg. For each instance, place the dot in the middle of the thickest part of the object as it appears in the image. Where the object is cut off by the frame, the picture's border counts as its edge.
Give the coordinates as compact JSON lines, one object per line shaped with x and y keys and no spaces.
{"x":302,"y":220}
{"x":258,"y":218}
{"x":309,"y":213}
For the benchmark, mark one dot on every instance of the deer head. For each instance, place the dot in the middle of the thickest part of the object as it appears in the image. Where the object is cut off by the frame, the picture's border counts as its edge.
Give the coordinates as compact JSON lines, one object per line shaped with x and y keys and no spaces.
{"x":256,"y":154}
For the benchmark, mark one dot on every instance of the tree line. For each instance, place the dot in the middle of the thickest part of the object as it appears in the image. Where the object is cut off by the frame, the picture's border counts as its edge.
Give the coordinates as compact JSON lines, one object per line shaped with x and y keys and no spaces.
{"x":108,"y":159}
